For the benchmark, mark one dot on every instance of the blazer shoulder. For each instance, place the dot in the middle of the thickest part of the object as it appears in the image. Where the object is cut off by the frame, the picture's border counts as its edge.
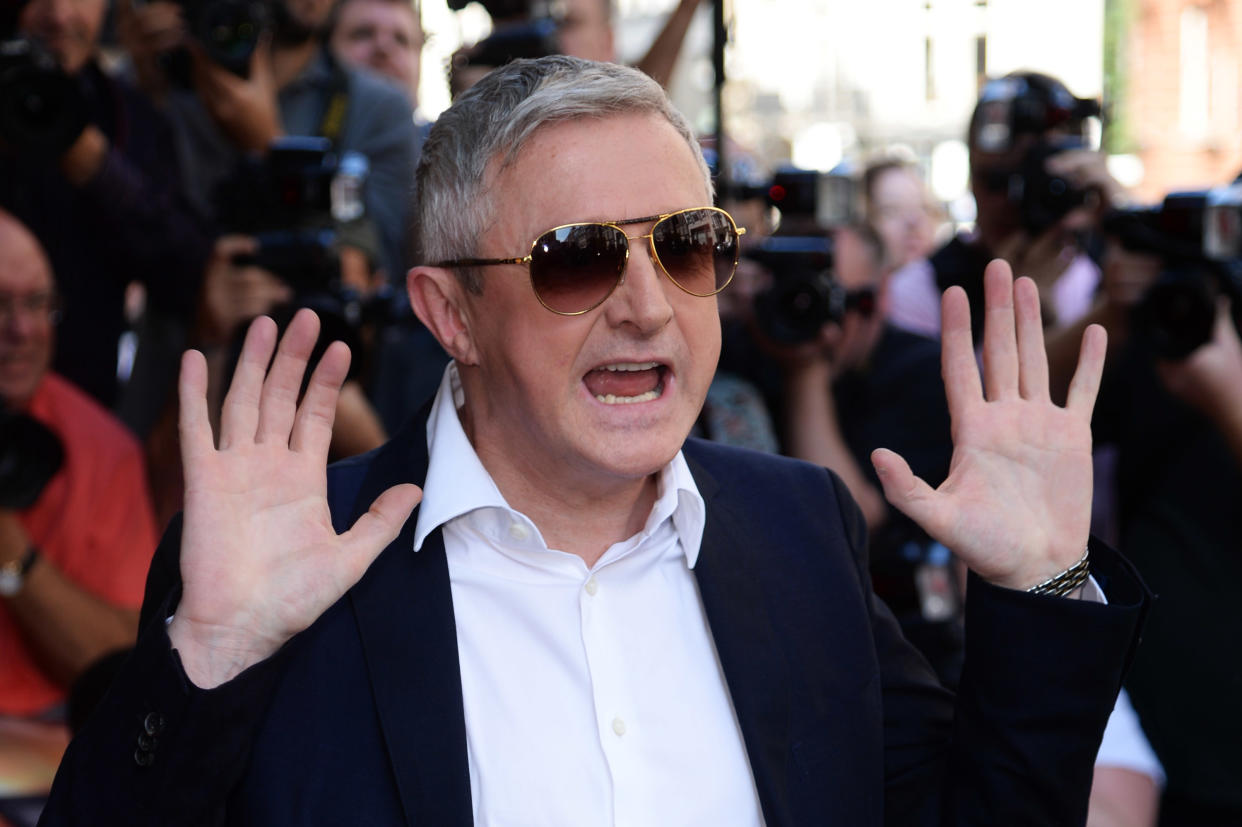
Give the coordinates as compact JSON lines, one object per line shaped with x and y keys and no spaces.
{"x":727,"y":467}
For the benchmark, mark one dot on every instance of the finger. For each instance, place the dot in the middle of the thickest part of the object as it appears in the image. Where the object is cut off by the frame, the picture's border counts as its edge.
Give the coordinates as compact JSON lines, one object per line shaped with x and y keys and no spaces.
{"x":906,"y":492}
{"x":312,"y":428}
{"x":1032,"y":357}
{"x":374,"y":530}
{"x":1086,"y":382}
{"x":962,"y":387}
{"x":261,"y":60}
{"x":1000,"y":347}
{"x":192,"y":419}
{"x":240,"y":413}
{"x":284,"y":381}
{"x":229,"y":247}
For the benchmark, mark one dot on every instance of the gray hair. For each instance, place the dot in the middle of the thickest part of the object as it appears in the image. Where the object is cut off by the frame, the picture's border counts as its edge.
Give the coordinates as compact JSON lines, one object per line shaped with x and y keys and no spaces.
{"x":494,"y":120}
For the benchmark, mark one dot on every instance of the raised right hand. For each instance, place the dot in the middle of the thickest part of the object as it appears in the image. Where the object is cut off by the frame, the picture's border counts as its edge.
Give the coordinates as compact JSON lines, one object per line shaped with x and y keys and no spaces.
{"x":260,"y":560}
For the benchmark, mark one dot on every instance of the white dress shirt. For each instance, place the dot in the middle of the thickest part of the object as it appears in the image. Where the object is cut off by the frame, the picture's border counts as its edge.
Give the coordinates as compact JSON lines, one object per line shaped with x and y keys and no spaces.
{"x":593,"y":696}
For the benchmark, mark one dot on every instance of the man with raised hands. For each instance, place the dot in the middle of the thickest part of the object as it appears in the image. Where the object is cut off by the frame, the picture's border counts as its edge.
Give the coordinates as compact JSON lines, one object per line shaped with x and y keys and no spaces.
{"x":589,"y":619}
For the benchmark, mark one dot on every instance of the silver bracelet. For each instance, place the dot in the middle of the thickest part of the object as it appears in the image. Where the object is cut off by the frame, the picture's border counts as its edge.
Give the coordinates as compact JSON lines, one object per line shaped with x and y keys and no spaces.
{"x":1062,"y":584}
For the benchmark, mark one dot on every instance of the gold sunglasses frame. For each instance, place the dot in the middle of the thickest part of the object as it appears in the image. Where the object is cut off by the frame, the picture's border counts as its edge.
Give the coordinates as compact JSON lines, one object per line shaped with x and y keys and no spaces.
{"x":738,"y":232}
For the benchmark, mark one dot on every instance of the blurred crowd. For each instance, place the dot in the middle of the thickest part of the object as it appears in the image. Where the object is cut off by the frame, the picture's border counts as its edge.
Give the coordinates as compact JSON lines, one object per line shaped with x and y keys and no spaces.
{"x":170,"y":169}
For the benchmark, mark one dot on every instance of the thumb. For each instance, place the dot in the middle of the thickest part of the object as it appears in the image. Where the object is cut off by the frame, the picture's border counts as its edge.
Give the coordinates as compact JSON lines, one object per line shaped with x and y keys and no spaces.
{"x":905,"y":491}
{"x":261,"y":60}
{"x":375,"y":529}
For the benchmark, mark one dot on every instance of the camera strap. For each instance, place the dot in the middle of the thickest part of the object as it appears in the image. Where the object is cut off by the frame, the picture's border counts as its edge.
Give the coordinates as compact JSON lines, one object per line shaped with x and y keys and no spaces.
{"x":332,"y":124}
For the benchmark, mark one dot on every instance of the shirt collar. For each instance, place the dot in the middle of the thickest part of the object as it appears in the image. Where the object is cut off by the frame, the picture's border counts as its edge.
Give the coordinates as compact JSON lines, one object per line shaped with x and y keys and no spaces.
{"x":457,"y":483}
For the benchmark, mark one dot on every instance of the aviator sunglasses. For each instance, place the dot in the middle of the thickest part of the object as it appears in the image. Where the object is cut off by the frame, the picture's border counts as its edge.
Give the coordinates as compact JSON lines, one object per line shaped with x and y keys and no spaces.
{"x":575,"y":267}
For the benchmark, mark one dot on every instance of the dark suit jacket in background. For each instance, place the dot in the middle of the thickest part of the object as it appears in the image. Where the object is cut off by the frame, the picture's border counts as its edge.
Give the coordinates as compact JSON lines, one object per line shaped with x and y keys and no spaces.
{"x":358,"y":720}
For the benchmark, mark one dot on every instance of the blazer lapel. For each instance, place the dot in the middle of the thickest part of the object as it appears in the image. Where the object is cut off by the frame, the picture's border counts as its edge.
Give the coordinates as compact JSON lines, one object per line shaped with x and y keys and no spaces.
{"x":404,"y":611}
{"x":730,"y":575}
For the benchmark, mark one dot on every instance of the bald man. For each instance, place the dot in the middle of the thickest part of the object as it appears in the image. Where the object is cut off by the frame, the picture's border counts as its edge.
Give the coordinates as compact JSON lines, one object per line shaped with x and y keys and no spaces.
{"x":73,"y":564}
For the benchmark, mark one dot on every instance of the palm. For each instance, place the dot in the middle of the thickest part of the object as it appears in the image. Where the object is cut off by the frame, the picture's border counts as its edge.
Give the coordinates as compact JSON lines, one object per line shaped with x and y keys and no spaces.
{"x":260,"y":559}
{"x":1016,"y":505}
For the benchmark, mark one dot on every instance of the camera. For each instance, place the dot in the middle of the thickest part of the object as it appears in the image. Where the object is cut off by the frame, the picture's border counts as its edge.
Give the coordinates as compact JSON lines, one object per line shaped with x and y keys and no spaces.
{"x":228,"y":30}
{"x":508,"y":9}
{"x":513,"y":41}
{"x":1030,"y":104}
{"x":1043,"y":199}
{"x":804,"y":295}
{"x":30,"y":455}
{"x":285,"y":202}
{"x":42,"y":109}
{"x":1198,"y":237}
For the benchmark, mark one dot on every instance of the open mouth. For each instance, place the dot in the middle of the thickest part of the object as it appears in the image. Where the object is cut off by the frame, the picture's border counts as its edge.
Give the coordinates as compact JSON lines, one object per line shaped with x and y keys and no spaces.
{"x":626,"y":383}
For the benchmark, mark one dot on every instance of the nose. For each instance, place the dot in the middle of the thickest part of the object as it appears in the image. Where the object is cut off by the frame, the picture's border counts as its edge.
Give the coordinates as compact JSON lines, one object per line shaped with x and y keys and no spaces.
{"x":18,"y":324}
{"x":641,"y":300}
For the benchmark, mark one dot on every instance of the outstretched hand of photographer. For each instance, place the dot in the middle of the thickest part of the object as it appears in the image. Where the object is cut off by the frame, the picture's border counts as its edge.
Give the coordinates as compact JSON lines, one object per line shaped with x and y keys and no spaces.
{"x":260,"y":560}
{"x":1016,"y":506}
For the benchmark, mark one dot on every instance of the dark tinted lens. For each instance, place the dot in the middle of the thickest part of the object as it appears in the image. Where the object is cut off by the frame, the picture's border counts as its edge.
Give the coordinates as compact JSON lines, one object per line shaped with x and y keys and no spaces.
{"x":698,"y":249}
{"x":575,"y":268}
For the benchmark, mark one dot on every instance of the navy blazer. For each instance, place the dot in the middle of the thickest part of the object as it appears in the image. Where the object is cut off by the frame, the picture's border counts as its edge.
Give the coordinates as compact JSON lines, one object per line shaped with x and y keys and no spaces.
{"x":358,"y":720}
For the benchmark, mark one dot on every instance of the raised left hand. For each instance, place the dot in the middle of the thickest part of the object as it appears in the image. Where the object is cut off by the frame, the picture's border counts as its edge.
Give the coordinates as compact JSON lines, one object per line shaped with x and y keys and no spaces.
{"x":1016,"y":506}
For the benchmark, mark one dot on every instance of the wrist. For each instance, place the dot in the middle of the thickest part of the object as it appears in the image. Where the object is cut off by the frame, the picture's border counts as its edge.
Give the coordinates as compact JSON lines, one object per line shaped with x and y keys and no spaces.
{"x":13,"y":573}
{"x":1066,"y":582}
{"x":214,"y":657}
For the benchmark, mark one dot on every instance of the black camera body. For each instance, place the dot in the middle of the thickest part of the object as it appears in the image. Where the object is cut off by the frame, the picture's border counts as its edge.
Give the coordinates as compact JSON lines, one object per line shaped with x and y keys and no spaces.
{"x":508,"y":9}
{"x":42,"y":109}
{"x":30,"y":455}
{"x":1043,"y":198}
{"x":514,"y":41}
{"x":804,"y":295}
{"x":228,"y":30}
{"x":284,"y":201}
{"x":1198,"y":237}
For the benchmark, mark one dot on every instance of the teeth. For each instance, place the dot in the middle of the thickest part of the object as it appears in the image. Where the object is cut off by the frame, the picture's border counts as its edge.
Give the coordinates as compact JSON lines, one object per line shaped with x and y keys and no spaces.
{"x":625,"y":367}
{"x":613,"y":399}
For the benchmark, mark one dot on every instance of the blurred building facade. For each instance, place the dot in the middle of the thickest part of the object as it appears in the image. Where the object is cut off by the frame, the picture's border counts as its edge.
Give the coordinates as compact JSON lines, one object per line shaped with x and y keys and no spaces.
{"x":1180,"y":94}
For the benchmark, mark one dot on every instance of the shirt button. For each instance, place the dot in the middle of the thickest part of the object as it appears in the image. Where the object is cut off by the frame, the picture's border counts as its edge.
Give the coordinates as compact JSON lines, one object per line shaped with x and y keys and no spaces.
{"x":592,"y":587}
{"x":618,"y":726}
{"x":519,"y":532}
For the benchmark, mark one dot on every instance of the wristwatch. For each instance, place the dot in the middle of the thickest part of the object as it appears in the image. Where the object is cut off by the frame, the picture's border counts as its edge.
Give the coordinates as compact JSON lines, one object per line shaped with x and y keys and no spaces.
{"x":13,"y":573}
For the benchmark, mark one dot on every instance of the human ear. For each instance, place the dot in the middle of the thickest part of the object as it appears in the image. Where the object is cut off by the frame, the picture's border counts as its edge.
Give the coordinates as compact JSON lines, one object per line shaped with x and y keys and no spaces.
{"x":438,"y":299}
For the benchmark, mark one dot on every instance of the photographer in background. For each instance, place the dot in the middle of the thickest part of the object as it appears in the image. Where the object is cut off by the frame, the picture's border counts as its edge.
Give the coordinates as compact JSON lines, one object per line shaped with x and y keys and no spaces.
{"x":859,"y":384}
{"x":232,"y":92}
{"x":76,"y":528}
{"x":284,"y":249}
{"x":897,"y":205}
{"x":1171,"y":407}
{"x":90,"y":167}
{"x":385,"y":36}
{"x":1038,"y":189}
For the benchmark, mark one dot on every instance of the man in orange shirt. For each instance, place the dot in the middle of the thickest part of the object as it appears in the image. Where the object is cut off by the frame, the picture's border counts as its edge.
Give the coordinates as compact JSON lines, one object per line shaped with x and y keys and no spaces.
{"x":73,"y":564}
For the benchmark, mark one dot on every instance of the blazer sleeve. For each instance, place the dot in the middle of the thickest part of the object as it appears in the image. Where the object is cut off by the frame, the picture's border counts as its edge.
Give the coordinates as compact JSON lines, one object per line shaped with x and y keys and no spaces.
{"x":1017,"y":744}
{"x":158,"y":749}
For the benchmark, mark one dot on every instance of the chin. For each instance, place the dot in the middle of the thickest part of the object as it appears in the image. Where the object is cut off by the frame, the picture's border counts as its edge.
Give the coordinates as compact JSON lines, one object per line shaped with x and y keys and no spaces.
{"x":637,"y":453}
